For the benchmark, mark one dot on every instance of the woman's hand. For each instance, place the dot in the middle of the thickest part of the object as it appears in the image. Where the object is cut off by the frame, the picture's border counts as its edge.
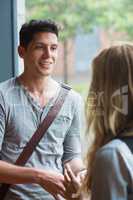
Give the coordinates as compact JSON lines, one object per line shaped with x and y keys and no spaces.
{"x":73,"y":182}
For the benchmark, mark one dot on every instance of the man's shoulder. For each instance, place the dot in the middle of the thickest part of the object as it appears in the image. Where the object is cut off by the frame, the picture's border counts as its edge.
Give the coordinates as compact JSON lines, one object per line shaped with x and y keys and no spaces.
{"x":7,"y":83}
{"x":5,"y":86}
{"x":74,"y":99}
{"x":73,"y":93}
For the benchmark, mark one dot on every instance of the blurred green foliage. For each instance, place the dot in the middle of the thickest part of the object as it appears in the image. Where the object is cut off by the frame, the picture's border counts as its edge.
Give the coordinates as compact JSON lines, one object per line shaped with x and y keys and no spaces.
{"x":74,"y":14}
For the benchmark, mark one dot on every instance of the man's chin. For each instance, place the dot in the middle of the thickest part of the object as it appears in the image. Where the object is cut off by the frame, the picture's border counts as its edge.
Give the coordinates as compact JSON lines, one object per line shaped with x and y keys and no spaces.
{"x":46,"y":73}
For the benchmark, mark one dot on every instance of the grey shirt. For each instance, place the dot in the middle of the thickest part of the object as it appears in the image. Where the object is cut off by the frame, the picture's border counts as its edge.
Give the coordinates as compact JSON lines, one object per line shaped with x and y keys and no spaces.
{"x":20,"y":115}
{"x":113,"y":172}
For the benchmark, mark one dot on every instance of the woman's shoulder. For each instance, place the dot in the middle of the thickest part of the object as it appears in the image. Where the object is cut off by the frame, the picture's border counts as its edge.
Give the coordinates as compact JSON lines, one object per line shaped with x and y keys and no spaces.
{"x":115,"y":145}
{"x":115,"y":151}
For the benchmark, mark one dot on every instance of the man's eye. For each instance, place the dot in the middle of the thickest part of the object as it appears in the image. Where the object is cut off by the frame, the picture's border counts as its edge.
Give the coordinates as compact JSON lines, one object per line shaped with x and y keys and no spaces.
{"x":53,"y":48}
{"x":39,"y":47}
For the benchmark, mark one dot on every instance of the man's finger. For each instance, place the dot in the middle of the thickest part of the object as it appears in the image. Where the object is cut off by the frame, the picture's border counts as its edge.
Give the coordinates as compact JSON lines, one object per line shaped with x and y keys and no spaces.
{"x":57,"y":197}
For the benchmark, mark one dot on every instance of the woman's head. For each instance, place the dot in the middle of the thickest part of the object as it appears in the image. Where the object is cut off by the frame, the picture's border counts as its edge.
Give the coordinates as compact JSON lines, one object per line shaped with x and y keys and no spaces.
{"x":110,"y":99}
{"x":109,"y":106}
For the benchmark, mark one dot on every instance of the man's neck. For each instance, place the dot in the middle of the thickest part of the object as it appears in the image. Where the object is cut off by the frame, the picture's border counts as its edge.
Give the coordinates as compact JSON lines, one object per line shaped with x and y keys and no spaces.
{"x":41,"y":89}
{"x":36,"y":85}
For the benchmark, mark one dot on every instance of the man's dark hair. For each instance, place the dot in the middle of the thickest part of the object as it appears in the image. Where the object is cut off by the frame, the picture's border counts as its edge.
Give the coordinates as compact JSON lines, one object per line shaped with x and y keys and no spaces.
{"x":29,"y":29}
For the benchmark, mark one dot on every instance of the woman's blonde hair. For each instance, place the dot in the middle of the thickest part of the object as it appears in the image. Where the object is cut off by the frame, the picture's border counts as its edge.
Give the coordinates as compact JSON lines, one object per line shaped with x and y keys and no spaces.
{"x":109,"y":106}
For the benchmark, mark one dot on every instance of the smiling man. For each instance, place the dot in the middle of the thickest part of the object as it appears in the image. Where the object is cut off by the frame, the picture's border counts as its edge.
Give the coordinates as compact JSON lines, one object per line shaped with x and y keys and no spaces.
{"x":24,"y":103}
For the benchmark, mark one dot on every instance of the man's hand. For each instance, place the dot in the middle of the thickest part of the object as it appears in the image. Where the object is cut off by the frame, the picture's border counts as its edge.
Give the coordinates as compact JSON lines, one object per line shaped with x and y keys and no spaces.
{"x":53,"y":183}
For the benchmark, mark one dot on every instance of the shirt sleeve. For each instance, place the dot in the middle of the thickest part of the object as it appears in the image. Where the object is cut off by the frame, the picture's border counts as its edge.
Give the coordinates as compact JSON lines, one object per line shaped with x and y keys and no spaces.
{"x":2,"y":120}
{"x":110,"y":176}
{"x":72,"y":142}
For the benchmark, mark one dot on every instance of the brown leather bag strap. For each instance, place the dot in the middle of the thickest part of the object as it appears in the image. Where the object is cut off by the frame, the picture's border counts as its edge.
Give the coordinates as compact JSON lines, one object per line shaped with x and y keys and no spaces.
{"x":39,"y":133}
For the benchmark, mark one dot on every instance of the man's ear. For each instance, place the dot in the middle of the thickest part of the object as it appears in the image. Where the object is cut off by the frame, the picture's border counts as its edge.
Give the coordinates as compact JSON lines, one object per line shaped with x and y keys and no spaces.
{"x":21,"y":51}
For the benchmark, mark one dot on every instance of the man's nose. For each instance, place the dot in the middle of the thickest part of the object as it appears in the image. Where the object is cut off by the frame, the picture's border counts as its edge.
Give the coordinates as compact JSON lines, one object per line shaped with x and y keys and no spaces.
{"x":47,"y":53}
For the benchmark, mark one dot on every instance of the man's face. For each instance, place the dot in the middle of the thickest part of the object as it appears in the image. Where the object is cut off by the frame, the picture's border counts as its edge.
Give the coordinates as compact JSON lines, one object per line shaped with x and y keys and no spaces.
{"x":41,"y":54}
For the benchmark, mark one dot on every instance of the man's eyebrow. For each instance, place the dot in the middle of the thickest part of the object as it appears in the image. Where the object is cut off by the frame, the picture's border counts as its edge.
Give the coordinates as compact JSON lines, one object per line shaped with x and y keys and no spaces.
{"x":54,"y":45}
{"x":41,"y":43}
